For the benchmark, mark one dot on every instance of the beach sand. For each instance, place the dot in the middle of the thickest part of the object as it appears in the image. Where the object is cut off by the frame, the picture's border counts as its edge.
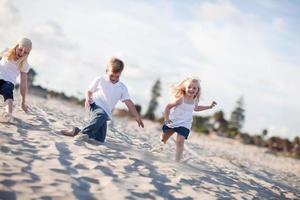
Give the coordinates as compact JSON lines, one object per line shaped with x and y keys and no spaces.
{"x":36,"y":162}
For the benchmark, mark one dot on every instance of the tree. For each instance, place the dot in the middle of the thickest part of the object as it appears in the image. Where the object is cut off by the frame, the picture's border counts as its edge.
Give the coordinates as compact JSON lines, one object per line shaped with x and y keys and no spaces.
{"x":138,"y":108}
{"x":238,"y":115}
{"x":264,"y":133}
{"x":30,"y":77}
{"x":220,"y":123}
{"x":155,"y":93}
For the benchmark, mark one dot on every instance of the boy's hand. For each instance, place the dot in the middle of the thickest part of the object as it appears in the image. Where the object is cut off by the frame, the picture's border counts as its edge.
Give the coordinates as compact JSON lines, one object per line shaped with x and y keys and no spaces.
{"x":87,"y":102}
{"x":140,"y":122}
{"x":213,"y":104}
{"x":168,"y":121}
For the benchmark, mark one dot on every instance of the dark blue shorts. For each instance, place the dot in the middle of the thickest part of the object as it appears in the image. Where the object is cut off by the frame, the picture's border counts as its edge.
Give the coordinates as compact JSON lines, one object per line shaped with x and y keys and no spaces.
{"x":6,"y":89}
{"x":179,"y":130}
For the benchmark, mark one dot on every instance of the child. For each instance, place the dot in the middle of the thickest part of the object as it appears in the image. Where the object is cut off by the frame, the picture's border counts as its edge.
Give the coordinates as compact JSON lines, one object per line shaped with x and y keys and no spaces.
{"x":178,"y":113}
{"x":12,"y":64}
{"x":102,"y":96}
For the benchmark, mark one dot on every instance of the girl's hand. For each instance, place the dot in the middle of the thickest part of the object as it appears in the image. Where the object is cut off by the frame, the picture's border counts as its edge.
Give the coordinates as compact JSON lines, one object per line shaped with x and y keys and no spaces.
{"x":140,"y":122}
{"x":213,"y":104}
{"x":24,"y":107}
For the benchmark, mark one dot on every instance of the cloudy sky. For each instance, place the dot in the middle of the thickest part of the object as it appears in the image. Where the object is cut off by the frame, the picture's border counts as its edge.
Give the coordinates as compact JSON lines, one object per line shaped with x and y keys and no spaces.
{"x":237,"y":48}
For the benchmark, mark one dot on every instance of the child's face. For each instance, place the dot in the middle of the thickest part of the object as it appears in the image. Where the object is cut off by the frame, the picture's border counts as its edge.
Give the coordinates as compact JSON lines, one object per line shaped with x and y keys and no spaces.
{"x":191,"y":89}
{"x":21,"y":51}
{"x":113,"y":77}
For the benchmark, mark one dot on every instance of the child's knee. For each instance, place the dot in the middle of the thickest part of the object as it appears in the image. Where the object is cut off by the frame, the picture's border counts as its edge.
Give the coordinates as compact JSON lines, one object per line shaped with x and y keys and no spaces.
{"x":100,"y":119}
{"x":180,"y":141}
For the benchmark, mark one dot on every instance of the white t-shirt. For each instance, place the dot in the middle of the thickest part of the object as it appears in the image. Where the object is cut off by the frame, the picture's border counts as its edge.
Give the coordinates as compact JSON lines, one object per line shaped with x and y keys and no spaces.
{"x":9,"y":70}
{"x":106,"y":94}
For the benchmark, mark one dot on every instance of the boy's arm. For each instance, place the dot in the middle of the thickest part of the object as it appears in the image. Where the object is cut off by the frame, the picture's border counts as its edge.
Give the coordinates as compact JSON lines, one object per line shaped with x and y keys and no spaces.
{"x":23,"y":90}
{"x":131,"y":107}
{"x":89,"y":94}
{"x":88,"y":99}
{"x":169,"y":106}
{"x":200,"y":108}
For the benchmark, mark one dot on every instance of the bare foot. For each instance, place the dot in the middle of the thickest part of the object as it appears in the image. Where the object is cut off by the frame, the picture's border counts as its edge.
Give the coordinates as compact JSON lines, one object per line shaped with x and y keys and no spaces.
{"x":72,"y":132}
{"x":6,"y":117}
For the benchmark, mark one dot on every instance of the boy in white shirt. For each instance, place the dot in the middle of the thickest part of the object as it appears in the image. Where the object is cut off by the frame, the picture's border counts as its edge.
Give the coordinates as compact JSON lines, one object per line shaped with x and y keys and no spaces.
{"x":101,"y":98}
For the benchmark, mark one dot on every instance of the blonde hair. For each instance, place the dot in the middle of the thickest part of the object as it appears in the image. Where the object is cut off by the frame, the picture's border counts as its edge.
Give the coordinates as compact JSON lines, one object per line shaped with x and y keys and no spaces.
{"x":11,"y":53}
{"x":115,"y":64}
{"x":178,"y":90}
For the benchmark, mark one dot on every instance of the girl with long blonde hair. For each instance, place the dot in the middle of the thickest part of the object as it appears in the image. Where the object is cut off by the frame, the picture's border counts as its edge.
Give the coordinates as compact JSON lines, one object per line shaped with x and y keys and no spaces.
{"x":12,"y":64}
{"x":178,"y":114}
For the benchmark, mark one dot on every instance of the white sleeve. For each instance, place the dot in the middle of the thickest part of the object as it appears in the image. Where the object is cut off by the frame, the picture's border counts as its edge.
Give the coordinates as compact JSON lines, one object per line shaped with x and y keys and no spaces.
{"x":93,"y":86}
{"x":125,"y":94}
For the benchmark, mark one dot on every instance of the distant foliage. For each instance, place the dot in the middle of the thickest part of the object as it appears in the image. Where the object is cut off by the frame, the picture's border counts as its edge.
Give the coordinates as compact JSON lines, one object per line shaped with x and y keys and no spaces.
{"x":201,"y":124}
{"x":220,"y":123}
{"x":63,"y":96}
{"x":238,"y":115}
{"x":264,"y":133}
{"x":155,"y":93}
{"x":138,"y":108}
{"x":31,"y":77}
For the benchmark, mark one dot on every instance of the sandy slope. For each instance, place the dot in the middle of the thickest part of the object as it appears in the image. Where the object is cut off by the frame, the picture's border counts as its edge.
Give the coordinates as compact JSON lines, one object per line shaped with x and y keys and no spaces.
{"x":38,"y":163}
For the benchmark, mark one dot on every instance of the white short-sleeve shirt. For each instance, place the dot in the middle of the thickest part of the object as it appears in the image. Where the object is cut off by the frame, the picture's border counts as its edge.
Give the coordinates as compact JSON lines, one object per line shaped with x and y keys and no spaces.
{"x":9,"y":70}
{"x":106,"y":94}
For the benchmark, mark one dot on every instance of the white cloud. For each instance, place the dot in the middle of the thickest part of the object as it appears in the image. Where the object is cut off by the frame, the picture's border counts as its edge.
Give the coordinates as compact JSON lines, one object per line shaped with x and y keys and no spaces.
{"x":9,"y":13}
{"x":217,"y":11}
{"x":278,"y":23}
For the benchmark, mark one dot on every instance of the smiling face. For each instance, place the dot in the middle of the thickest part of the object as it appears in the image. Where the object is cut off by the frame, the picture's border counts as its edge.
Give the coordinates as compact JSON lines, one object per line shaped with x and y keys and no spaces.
{"x":21,"y":51}
{"x":113,"y":76}
{"x":192,"y":89}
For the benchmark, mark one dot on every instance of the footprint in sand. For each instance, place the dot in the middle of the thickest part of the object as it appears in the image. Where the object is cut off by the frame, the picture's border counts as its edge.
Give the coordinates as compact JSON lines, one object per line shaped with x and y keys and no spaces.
{"x":51,"y":120}
{"x":143,"y":171}
{"x":157,"y":149}
{"x":4,"y":149}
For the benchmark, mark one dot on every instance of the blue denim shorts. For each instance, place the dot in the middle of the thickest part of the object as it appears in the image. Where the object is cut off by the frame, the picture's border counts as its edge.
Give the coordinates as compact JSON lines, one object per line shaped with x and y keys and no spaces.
{"x":6,"y":89}
{"x":179,"y":130}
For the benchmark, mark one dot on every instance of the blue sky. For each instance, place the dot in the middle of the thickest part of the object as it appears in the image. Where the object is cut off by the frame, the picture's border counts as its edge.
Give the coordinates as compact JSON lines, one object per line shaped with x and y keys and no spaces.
{"x":248,"y":48}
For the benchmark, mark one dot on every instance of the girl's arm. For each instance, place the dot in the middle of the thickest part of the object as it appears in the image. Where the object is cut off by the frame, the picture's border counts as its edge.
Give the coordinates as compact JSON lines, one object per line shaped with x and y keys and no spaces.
{"x":200,"y":108}
{"x":131,"y":107}
{"x":169,"y":106}
{"x":23,"y":90}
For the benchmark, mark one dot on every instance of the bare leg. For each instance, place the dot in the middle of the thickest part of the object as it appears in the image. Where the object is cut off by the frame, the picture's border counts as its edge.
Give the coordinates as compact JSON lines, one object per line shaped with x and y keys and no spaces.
{"x":9,"y":106}
{"x":179,"y":147}
{"x":165,"y":136}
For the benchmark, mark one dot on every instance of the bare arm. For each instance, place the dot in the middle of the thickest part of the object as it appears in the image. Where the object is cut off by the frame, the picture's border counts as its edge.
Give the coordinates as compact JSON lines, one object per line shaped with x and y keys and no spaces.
{"x":88,"y":99}
{"x":169,"y":106}
{"x":131,"y":107}
{"x":200,"y":108}
{"x":23,"y":90}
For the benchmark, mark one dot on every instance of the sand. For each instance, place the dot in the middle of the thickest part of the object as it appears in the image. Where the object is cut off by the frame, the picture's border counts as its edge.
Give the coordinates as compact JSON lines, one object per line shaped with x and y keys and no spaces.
{"x":36,"y":162}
